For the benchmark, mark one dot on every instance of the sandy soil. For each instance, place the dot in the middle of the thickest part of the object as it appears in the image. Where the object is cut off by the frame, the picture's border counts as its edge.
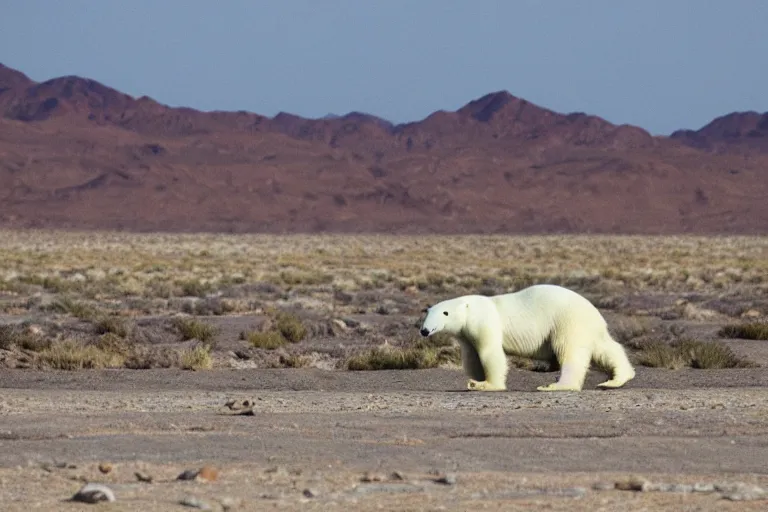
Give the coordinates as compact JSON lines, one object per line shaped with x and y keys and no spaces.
{"x":314,"y":434}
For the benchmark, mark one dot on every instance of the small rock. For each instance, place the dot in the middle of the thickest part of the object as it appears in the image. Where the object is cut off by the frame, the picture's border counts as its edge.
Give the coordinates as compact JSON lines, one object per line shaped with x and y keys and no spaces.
{"x":277,"y":471}
{"x":94,"y":493}
{"x":702,"y":487}
{"x":742,"y":492}
{"x":634,"y":483}
{"x":105,"y":467}
{"x":189,"y":474}
{"x":751,"y":313}
{"x":192,"y":502}
{"x":143,"y":477}
{"x":207,"y":474}
{"x":310,"y":493}
{"x":397,"y":475}
{"x":228,"y":503}
{"x":371,"y":477}
{"x":446,"y":479}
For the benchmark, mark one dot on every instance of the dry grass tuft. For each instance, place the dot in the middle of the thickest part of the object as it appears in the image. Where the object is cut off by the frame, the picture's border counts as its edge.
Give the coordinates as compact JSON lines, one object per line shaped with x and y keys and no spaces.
{"x":20,"y":336}
{"x":396,"y":358}
{"x":290,"y":326}
{"x":268,"y":340}
{"x":690,"y":353}
{"x":112,"y":325}
{"x":197,"y":358}
{"x":191,"y":329}
{"x":74,"y":355}
{"x":746,"y":331}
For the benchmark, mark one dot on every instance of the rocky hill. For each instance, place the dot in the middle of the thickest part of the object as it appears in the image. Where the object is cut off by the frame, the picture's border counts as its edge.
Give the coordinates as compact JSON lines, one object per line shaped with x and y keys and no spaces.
{"x":75,"y":153}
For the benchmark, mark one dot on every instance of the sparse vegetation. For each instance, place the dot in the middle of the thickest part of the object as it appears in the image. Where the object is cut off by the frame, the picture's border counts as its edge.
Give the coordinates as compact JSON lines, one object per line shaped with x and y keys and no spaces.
{"x":746,"y":331}
{"x":268,"y":340}
{"x":112,"y":325}
{"x":191,"y":329}
{"x":197,"y":358}
{"x":397,"y":358}
{"x":690,"y":353}
{"x":290,"y":326}
{"x":319,"y":285}
{"x":75,"y":355}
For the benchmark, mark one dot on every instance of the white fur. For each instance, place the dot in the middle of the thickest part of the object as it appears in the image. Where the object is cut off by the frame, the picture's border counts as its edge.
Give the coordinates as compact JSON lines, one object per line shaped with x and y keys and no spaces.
{"x":541,"y":322}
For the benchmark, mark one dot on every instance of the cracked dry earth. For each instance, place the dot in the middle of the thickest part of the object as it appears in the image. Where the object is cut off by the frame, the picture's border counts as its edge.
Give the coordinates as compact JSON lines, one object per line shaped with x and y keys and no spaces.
{"x":420,"y":441}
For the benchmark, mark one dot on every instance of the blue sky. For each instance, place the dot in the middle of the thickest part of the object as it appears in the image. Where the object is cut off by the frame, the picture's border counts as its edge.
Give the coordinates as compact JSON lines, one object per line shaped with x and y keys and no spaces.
{"x":659,"y":64}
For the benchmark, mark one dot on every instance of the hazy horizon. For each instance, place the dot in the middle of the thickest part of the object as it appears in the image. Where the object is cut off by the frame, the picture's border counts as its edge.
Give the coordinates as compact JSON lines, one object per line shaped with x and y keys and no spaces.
{"x":659,"y":65}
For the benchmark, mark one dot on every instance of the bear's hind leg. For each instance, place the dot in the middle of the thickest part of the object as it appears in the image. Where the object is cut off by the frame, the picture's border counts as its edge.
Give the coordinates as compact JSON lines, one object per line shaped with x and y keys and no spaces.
{"x":612,"y":356}
{"x":494,"y":366}
{"x":574,"y":364}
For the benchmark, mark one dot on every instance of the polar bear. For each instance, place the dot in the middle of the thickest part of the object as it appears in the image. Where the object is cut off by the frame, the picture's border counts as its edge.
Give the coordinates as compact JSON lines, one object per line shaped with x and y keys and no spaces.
{"x":541,"y":322}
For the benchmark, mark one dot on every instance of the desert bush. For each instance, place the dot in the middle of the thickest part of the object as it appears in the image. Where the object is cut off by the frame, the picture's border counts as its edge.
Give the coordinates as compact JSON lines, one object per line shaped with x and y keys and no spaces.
{"x":294,"y":361}
{"x":746,"y":331}
{"x":658,"y":354}
{"x":194,"y":288}
{"x":396,"y":358}
{"x":197,"y":358}
{"x":77,"y":309}
{"x":112,"y":325}
{"x":290,"y":326}
{"x":21,"y":337}
{"x":268,"y":340}
{"x":627,"y":329}
{"x":690,"y":353}
{"x":191,"y":329}
{"x":75,"y":355}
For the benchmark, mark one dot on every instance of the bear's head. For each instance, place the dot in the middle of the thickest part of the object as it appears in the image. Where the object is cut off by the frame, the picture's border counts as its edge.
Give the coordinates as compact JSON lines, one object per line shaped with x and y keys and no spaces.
{"x":449,"y":316}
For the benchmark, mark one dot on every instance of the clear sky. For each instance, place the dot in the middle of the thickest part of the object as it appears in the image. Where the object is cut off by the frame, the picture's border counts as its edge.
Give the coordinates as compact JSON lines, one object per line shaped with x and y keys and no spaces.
{"x":659,"y":64}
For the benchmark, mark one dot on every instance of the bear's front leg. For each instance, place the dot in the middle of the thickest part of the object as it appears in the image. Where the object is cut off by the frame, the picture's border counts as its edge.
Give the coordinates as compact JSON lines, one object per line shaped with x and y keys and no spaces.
{"x":494,"y":362}
{"x":483,"y":385}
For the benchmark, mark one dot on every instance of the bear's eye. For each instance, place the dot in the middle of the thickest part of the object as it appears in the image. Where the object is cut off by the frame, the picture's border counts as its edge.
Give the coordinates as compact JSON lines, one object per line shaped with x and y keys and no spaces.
{"x":445,"y":313}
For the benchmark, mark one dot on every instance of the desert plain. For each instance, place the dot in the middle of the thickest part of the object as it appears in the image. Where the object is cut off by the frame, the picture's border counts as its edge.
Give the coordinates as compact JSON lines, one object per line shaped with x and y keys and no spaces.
{"x":290,"y":367}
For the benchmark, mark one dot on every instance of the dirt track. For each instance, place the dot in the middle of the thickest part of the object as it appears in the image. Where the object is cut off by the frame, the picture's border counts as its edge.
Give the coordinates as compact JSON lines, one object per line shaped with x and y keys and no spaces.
{"x":322,"y":430}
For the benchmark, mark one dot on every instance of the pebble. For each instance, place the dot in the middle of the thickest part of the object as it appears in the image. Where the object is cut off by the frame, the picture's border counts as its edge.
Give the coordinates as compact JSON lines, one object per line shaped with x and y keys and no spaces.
{"x":143,"y":477}
{"x":192,"y":502}
{"x":105,"y":467}
{"x":310,"y":493}
{"x":741,"y":491}
{"x":447,"y":479}
{"x":207,"y":474}
{"x":189,"y":474}
{"x":94,"y":493}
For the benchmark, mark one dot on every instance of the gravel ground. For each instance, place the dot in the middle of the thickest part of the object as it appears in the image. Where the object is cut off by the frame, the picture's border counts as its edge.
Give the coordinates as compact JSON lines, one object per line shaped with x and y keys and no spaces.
{"x":313,"y":435}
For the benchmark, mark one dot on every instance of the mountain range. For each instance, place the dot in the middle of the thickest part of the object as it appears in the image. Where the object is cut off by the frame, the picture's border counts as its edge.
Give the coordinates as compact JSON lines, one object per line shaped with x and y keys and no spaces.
{"x":78,"y":154}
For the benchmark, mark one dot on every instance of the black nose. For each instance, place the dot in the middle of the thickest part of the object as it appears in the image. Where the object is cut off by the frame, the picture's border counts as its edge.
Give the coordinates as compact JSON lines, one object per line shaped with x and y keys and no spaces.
{"x":425,"y":332}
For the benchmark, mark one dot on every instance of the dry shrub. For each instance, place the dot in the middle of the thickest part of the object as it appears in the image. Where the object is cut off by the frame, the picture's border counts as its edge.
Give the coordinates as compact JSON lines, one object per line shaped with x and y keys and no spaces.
{"x":283,"y":328}
{"x":290,"y":326}
{"x":197,"y":358}
{"x":191,"y":329}
{"x":627,"y":329}
{"x":268,"y":340}
{"x":396,"y":358}
{"x":20,"y":336}
{"x":75,"y":308}
{"x":746,"y":331}
{"x":690,"y":353}
{"x":75,"y":355}
{"x":294,"y":361}
{"x":112,"y":325}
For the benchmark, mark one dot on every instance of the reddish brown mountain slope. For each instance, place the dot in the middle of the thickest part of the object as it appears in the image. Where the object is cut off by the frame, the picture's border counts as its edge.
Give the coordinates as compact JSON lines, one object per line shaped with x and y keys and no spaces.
{"x":77,"y":154}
